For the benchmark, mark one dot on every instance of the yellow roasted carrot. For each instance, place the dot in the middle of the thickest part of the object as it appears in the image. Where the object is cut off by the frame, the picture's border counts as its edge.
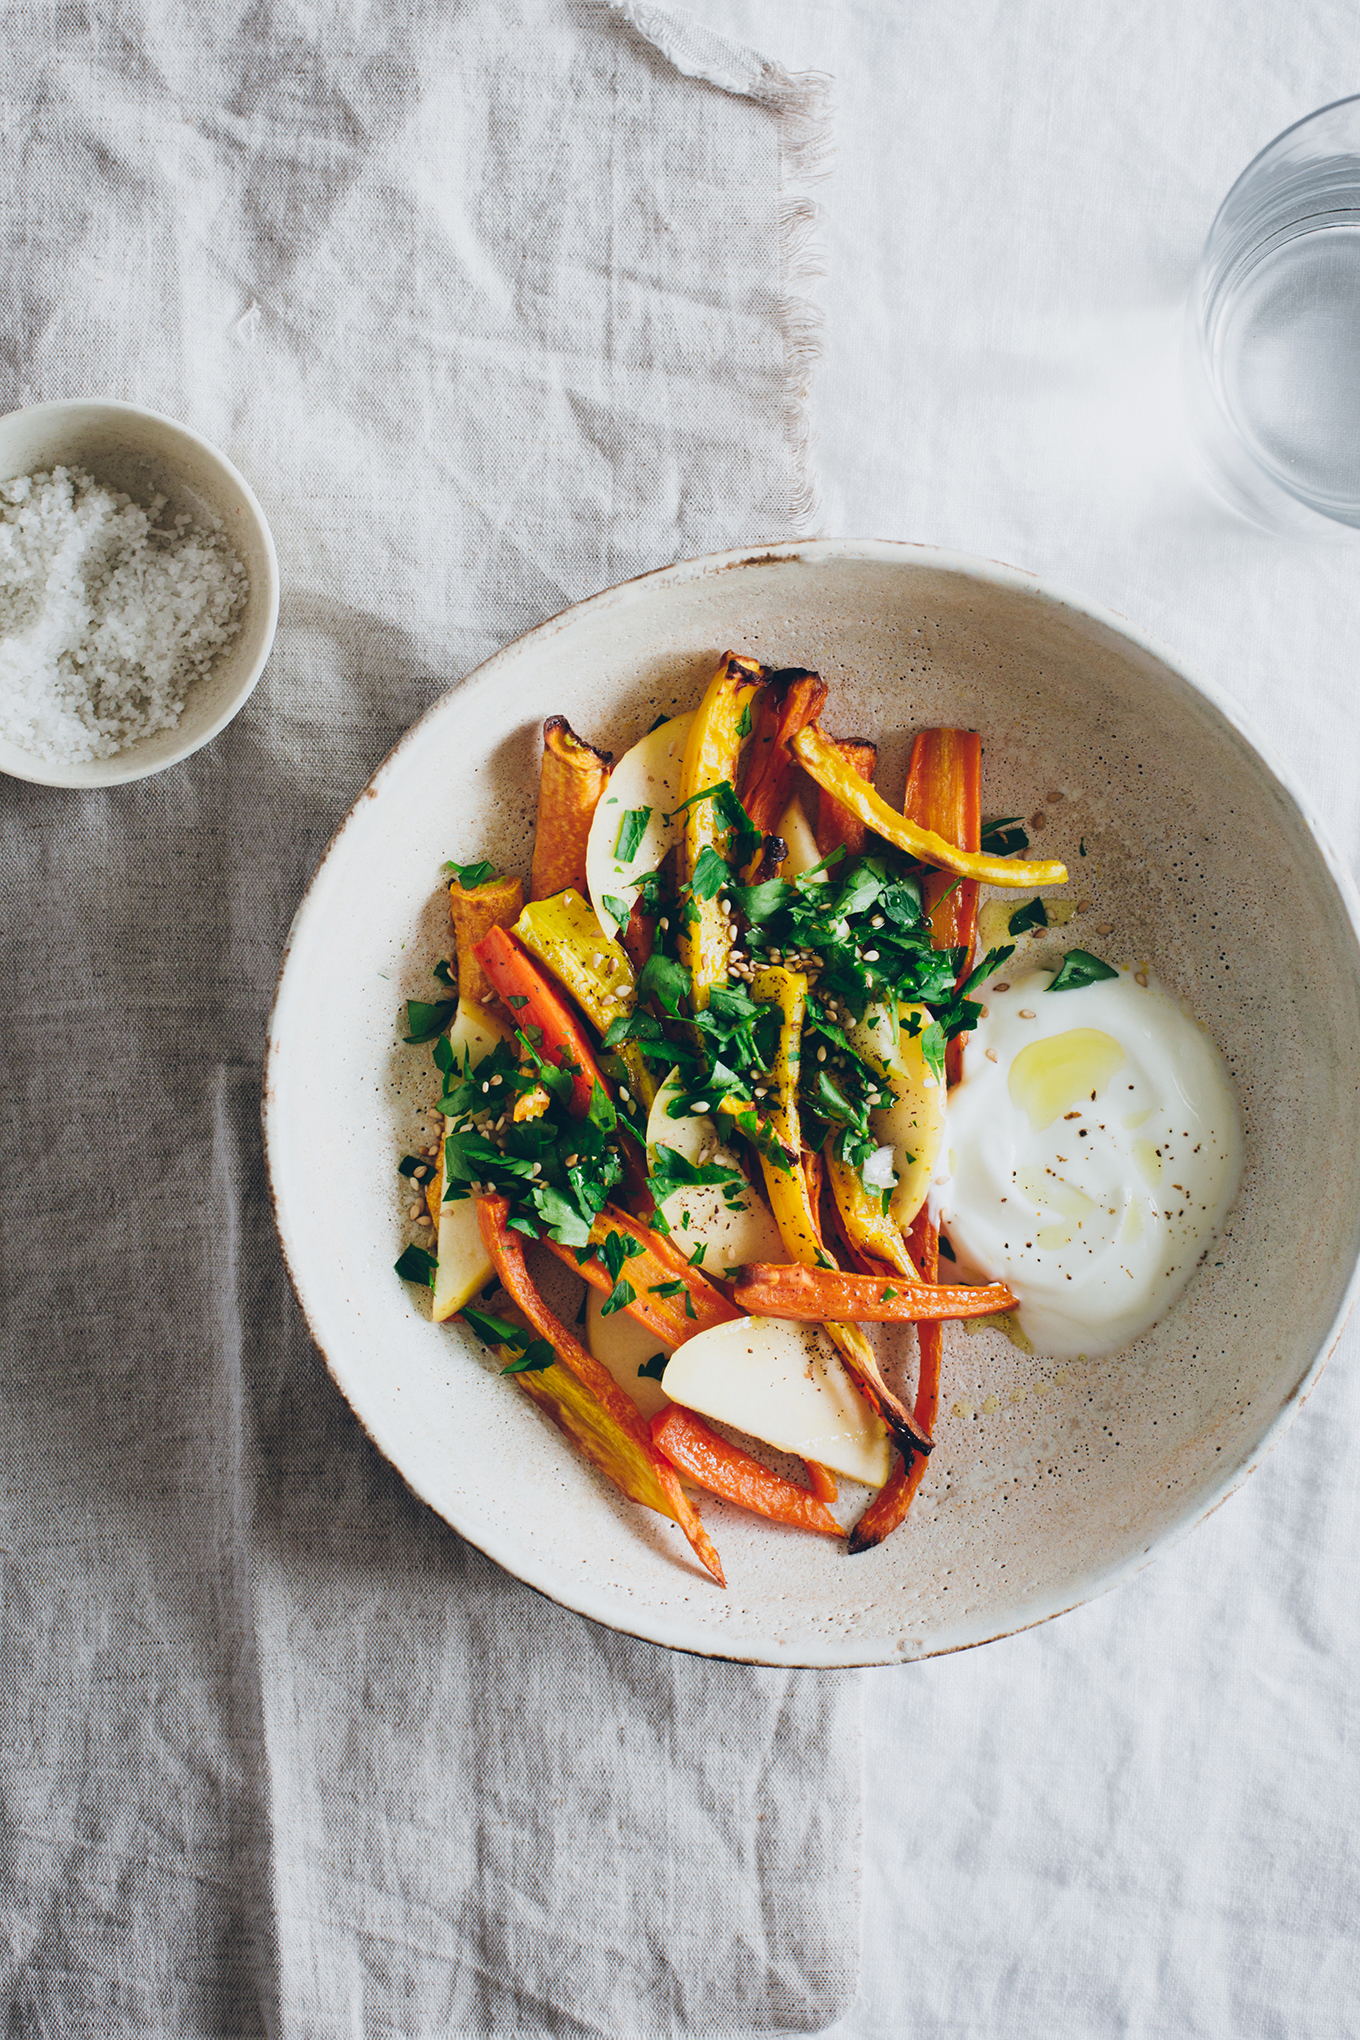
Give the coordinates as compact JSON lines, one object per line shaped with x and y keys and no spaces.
{"x":476,"y":910}
{"x":794,"y":1207}
{"x":564,"y":932}
{"x":711,"y":754}
{"x":571,"y":779}
{"x":822,"y":760}
{"x":593,"y":1410}
{"x":868,"y":1226}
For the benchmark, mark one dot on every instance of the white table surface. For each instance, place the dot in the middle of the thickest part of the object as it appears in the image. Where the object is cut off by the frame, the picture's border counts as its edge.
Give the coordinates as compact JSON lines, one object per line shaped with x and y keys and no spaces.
{"x":1138,"y":1819}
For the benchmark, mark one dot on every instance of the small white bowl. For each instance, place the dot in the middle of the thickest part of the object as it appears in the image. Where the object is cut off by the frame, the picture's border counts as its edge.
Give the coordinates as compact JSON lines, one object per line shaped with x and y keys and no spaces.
{"x":144,"y":454}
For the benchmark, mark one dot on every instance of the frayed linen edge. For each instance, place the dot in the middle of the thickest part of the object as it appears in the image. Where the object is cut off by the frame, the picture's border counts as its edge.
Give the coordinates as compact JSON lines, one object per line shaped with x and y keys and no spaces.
{"x":803,"y":107}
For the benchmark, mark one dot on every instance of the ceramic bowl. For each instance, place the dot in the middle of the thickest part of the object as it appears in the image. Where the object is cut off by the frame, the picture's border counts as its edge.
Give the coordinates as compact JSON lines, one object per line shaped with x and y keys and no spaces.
{"x":144,"y":455}
{"x":1049,"y":1483}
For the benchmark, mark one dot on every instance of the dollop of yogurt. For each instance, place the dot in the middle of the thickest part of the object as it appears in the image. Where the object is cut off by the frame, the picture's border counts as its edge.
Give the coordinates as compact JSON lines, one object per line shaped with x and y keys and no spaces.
{"x":1093,"y":1148}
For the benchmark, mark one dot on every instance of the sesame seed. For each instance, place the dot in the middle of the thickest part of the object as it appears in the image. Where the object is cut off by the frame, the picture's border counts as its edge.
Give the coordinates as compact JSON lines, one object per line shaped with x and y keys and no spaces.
{"x":664,"y":922}
{"x":1000,"y":988}
{"x":985,"y":1011}
{"x":702,"y":1105}
{"x":821,"y":1055}
{"x":625,"y":1093}
{"x":1104,"y":927}
{"x":415,"y":1211}
{"x":1140,"y":977}
{"x":876,"y":921}
{"x":871,"y":956}
{"x":1027,"y":1013}
{"x":424,"y":1219}
{"x":991,"y":1055}
{"x":495,"y":1081}
{"x":572,"y":1160}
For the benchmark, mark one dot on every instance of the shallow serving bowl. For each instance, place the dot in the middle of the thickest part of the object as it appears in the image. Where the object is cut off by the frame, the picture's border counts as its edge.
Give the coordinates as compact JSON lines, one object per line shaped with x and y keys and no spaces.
{"x":1049,"y":1483}
{"x":145,"y":455}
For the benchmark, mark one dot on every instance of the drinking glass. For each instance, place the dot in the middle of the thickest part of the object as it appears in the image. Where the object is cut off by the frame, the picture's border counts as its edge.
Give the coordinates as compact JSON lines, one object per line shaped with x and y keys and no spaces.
{"x":1272,"y":333}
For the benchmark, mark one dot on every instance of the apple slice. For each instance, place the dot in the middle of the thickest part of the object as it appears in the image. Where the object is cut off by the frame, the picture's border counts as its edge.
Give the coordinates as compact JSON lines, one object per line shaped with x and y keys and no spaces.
{"x":645,"y":778}
{"x":624,"y":1346}
{"x":730,"y":1234}
{"x":803,"y":853}
{"x":783,"y":1383}
{"x":462,"y":1264}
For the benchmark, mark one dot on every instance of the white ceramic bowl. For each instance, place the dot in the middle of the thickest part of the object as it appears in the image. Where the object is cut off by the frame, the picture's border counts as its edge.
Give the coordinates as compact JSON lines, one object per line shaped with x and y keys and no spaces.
{"x":1058,"y":1481}
{"x":144,"y":454}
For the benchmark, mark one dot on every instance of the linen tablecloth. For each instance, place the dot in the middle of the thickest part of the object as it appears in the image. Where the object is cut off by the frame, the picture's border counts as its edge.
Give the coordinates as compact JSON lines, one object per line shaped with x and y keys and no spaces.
{"x":495,"y":304}
{"x":1138,"y":1821}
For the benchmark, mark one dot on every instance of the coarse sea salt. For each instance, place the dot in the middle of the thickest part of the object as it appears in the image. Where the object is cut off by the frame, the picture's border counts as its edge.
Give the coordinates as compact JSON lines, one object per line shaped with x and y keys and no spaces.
{"x":108,"y":614}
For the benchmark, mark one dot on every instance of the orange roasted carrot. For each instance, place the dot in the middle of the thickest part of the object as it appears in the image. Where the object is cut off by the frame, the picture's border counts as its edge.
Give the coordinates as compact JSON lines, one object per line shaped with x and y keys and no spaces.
{"x":787,"y":703}
{"x":812,"y":1296}
{"x":821,"y":1480}
{"x":724,"y":1469}
{"x":835,"y":825}
{"x":890,"y":1505}
{"x":670,"y":1297}
{"x":944,"y":793}
{"x":624,"y":1448}
{"x":534,"y":1001}
{"x":571,"y":779}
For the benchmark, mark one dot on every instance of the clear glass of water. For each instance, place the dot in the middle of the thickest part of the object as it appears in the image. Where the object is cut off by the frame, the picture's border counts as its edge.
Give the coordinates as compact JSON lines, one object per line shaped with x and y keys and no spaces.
{"x":1272,"y":337}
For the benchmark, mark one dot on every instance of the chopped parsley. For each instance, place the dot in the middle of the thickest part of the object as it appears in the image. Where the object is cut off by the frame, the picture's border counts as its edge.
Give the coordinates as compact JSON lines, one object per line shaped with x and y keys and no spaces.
{"x":415,"y":1265}
{"x":632,"y":830}
{"x":1079,"y":967}
{"x":1034,"y":915}
{"x":425,"y":1018}
{"x":470,"y":876}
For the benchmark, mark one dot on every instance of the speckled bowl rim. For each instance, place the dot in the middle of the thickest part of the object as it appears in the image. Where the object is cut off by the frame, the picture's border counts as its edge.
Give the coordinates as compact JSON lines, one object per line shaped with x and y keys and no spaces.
{"x":821,"y":552}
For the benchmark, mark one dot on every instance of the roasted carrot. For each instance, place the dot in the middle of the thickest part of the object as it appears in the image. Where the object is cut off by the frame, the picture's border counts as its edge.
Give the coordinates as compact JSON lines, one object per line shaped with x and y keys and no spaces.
{"x":724,"y":1469}
{"x":789,"y":700}
{"x":818,"y":755}
{"x":835,"y":824}
{"x":670,"y":1297}
{"x":821,"y":1480}
{"x":616,"y":1437}
{"x":475,"y":911}
{"x":533,"y":1001}
{"x":944,"y":793}
{"x":890,"y":1505}
{"x":571,"y":779}
{"x":810,"y":1296}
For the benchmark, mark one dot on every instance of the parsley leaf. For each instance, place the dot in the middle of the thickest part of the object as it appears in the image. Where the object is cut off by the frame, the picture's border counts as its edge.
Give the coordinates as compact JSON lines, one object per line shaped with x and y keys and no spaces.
{"x":442,"y":971}
{"x":537,"y":1355}
{"x":619,"y":1298}
{"x":710,"y":874}
{"x":672,"y":1171}
{"x":653,"y":1369}
{"x":620,"y":909}
{"x":632,"y":829}
{"x":1035,"y":915}
{"x":1079,"y":967}
{"x":415,"y":1265}
{"x":1002,"y":838}
{"x":426,"y":1019}
{"x":470,"y":876}
{"x":666,"y":981}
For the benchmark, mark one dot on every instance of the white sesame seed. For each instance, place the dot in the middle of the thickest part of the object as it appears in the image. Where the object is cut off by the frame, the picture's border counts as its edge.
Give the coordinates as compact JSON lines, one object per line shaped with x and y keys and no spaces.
{"x":664,"y":922}
{"x":424,"y":1219}
{"x":572,"y":1160}
{"x":1104,"y":927}
{"x":702,"y":1105}
{"x":821,"y":1055}
{"x":991,"y":1055}
{"x":871,"y":956}
{"x":414,"y":1212}
{"x":497,"y":1080}
{"x":625,"y":1093}
{"x":1140,"y":977}
{"x":1027,"y":1013}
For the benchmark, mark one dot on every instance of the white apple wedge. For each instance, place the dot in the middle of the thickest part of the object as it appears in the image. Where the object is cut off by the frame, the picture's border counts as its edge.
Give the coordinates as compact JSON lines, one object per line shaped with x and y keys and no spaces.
{"x":783,"y":1383}
{"x":647,"y":777}
{"x":731,"y":1231}
{"x":622,"y":1345}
